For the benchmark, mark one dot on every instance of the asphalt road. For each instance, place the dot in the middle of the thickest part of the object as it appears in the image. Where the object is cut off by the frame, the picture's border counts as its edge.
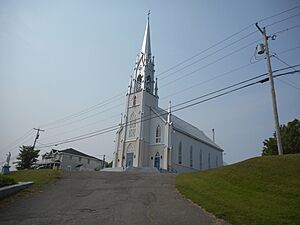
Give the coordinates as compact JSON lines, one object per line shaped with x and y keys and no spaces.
{"x":106,"y":198}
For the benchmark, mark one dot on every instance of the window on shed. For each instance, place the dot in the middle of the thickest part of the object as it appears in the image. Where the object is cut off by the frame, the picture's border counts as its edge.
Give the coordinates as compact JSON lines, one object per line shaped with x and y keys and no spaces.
{"x":209,"y":160}
{"x":191,"y":156}
{"x":71,"y":157}
{"x":89,"y":161}
{"x":180,"y":153}
{"x":158,"y":134}
{"x":79,"y":159}
{"x":217,"y":161}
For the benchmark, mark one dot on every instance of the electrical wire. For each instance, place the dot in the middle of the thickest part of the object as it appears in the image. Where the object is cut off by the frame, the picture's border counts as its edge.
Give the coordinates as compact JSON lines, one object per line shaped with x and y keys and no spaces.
{"x":91,"y":108}
{"x":282,"y":20}
{"x":218,"y":43}
{"x":211,"y":63}
{"x":289,"y":84}
{"x":18,"y":140}
{"x":205,"y":57}
{"x":225,"y":39}
{"x":112,"y":128}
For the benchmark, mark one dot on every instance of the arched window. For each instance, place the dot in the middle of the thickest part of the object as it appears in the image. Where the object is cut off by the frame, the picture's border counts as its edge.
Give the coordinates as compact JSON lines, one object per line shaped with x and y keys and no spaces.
{"x":134,"y":101}
{"x":200,"y":160}
{"x":191,"y":156}
{"x":148,"y":79}
{"x":132,"y":125}
{"x":180,"y":153}
{"x":158,"y":134}
{"x":139,"y":79}
{"x":139,"y":82}
{"x":129,"y":148}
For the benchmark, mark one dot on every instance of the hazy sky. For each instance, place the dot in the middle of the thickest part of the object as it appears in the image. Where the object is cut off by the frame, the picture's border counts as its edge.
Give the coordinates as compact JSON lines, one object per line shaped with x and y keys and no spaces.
{"x":60,"y":57}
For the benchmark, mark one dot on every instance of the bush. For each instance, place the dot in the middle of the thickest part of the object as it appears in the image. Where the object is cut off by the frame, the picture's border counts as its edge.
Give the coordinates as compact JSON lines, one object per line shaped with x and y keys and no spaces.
{"x":5,"y":181}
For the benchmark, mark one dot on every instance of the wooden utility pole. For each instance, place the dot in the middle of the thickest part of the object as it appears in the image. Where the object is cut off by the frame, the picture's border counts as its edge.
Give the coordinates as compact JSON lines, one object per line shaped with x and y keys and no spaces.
{"x":103,"y":161}
{"x":37,"y":135}
{"x":273,"y":94}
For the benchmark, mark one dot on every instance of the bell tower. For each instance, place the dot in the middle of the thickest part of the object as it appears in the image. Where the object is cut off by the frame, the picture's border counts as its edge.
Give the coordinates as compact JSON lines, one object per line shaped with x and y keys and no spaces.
{"x":142,"y":95}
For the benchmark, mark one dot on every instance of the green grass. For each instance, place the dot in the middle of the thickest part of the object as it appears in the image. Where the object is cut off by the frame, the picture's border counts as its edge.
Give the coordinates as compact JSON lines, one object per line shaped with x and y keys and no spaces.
{"x":5,"y":181}
{"x":39,"y":177}
{"x":263,"y":190}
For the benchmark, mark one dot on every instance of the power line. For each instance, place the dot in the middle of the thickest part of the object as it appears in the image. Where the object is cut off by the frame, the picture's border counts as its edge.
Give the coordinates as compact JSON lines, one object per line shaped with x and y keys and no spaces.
{"x":287,"y":29}
{"x":234,"y":70}
{"x":84,"y":126}
{"x":87,"y":117}
{"x":225,"y":39}
{"x":218,"y":43}
{"x":203,"y":51}
{"x":211,"y":63}
{"x":208,"y":80}
{"x":289,"y":66}
{"x":289,"y":84}
{"x":91,"y":108}
{"x":112,"y":128}
{"x":278,"y":14}
{"x":19,"y":139}
{"x":213,"y":53}
{"x":279,"y":21}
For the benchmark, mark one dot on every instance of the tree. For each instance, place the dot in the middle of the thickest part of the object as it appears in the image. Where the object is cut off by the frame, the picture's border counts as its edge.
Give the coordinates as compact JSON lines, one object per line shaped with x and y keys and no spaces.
{"x":290,"y":136}
{"x":27,"y":157}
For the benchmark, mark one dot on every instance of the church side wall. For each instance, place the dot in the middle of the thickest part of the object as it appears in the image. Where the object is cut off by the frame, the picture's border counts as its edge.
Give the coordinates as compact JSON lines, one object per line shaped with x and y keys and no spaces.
{"x":203,"y":157}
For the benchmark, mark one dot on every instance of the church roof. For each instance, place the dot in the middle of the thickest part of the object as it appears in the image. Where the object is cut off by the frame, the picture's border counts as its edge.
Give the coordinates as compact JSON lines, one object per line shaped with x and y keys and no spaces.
{"x":187,"y":128}
{"x":75,"y":152}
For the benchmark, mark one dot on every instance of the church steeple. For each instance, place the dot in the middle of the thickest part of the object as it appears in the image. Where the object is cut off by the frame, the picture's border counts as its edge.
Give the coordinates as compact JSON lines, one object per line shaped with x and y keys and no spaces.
{"x":143,"y":78}
{"x":146,"y":47}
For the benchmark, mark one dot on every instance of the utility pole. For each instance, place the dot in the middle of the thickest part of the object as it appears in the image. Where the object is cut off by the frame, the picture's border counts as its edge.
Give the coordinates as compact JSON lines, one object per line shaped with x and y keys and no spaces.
{"x":37,"y":135}
{"x":273,"y":94}
{"x":103,"y":161}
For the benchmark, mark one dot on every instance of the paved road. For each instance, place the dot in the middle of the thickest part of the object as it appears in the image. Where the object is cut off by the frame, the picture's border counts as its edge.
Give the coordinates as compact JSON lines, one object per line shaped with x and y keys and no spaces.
{"x":106,"y":198}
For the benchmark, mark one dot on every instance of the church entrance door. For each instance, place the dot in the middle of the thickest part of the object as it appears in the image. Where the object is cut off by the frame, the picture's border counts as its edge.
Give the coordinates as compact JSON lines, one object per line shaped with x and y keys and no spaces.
{"x":129,"y":160}
{"x":157,"y":161}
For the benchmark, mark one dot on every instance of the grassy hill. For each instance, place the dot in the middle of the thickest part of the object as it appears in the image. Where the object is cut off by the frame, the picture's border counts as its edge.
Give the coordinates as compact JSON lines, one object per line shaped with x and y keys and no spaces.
{"x":263,"y":190}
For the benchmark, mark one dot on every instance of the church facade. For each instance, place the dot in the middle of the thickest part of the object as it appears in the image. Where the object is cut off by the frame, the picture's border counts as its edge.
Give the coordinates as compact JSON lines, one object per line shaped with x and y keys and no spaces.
{"x":152,"y":137}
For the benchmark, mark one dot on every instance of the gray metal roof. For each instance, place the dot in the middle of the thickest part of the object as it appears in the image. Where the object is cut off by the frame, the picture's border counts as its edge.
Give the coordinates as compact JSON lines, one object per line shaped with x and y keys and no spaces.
{"x":187,"y":128}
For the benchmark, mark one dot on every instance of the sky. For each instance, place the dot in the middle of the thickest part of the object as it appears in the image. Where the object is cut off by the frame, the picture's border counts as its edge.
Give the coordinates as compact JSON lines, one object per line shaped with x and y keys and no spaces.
{"x":58,"y":58}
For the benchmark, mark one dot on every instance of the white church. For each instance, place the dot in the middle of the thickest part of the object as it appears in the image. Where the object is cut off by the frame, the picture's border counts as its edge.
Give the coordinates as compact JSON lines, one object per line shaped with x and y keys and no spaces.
{"x":152,"y":137}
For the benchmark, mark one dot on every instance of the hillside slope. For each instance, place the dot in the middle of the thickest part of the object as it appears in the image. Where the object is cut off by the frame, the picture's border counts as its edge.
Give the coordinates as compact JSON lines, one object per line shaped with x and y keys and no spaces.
{"x":263,"y":190}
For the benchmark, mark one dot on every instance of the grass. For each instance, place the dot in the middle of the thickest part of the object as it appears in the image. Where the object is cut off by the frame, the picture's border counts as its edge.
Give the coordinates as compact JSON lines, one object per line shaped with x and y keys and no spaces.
{"x":263,"y":190}
{"x":5,"y":181}
{"x":39,"y":177}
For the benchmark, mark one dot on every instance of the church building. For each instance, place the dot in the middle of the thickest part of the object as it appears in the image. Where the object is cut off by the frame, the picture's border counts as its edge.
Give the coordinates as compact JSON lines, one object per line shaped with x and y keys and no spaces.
{"x":152,"y":137}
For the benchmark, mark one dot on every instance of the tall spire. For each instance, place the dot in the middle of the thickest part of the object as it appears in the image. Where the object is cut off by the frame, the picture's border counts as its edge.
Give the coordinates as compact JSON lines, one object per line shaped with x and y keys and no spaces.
{"x":143,"y":78}
{"x":146,"y":47}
